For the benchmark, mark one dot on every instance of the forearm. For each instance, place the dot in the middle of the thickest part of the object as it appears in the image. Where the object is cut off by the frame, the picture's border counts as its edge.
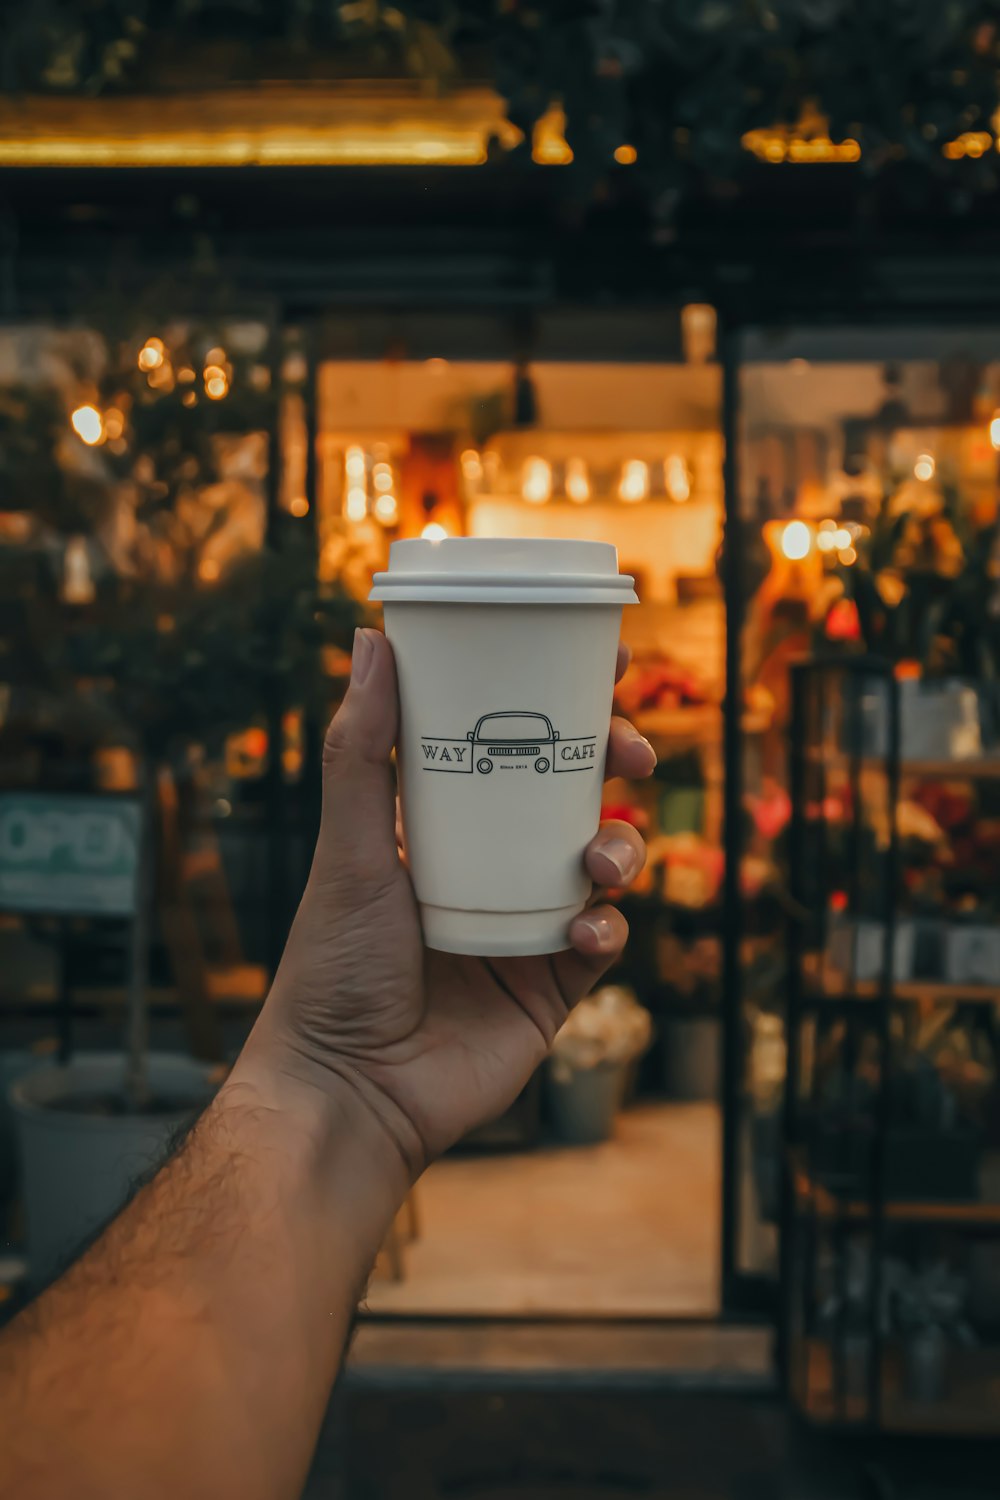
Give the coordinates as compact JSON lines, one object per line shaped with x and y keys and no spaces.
{"x":192,"y":1350}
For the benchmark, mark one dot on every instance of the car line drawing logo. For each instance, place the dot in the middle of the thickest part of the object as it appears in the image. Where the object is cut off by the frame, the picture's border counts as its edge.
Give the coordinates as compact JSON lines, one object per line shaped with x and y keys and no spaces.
{"x":510,"y":739}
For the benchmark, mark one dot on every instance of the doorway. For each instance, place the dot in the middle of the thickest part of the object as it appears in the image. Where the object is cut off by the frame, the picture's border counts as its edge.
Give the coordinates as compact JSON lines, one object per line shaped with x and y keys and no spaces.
{"x":600,"y":428}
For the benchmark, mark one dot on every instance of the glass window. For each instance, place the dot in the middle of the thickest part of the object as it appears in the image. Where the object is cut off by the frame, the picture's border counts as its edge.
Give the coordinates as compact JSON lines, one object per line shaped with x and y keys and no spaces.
{"x":868,"y":486}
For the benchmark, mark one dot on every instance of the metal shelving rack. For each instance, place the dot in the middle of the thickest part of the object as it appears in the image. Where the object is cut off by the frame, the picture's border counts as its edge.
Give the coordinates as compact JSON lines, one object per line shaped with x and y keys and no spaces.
{"x":848,"y":1373}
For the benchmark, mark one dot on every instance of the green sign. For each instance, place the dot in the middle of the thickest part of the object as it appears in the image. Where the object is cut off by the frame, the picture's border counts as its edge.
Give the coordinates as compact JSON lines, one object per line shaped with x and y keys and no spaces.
{"x":68,"y":855}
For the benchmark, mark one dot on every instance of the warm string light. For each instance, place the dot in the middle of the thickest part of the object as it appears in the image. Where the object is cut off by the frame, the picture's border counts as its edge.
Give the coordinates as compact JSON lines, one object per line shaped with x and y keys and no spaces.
{"x":434,"y":532}
{"x":833,"y":536}
{"x":826,"y":536}
{"x":995,"y":430}
{"x":973,"y":143}
{"x":796,"y":541}
{"x":634,"y":483}
{"x":577,"y":481}
{"x":924,"y":467}
{"x":386,"y":509}
{"x":536,"y":480}
{"x":549,"y":146}
{"x":783,"y":146}
{"x":356,"y":504}
{"x":299,"y":505}
{"x":152,"y":354}
{"x":88,"y":425}
{"x":626,"y":155}
{"x":677,"y":479}
{"x":216,"y":381}
{"x":472,"y":466}
{"x":355,"y":484}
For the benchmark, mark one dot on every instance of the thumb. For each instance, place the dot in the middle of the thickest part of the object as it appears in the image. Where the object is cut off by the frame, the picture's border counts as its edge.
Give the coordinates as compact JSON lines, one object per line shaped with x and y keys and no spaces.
{"x":357,"y":837}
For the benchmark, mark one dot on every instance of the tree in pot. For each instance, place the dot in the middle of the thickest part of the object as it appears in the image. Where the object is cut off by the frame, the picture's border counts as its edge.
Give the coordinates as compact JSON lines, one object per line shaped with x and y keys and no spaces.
{"x":164,"y":615}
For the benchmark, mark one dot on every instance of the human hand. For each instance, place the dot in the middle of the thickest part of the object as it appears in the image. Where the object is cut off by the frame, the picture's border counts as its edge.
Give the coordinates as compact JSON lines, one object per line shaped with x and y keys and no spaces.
{"x":432,"y":1043}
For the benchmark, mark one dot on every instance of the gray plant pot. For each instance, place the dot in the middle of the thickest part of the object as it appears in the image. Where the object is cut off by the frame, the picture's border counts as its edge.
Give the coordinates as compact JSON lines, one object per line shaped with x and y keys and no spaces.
{"x":691,"y":1060}
{"x":584,"y":1101}
{"x":77,"y":1169}
{"x":13,"y":1065}
{"x":925,"y":1365}
{"x":857,"y":1355}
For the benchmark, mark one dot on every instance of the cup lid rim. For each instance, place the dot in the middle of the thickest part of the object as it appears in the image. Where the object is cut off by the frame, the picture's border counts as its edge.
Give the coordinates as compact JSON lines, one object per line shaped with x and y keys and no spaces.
{"x":503,"y":569}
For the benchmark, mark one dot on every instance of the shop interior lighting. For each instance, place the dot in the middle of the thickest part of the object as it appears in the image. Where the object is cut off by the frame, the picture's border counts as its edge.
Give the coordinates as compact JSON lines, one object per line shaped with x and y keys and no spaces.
{"x":472,"y":466}
{"x":536,"y":480}
{"x":386,"y":509}
{"x":634,"y":482}
{"x":356,"y":504}
{"x":88,"y":425}
{"x":826,"y":536}
{"x":151,"y":354}
{"x":677,"y":479}
{"x":577,"y":481}
{"x":796,"y":541}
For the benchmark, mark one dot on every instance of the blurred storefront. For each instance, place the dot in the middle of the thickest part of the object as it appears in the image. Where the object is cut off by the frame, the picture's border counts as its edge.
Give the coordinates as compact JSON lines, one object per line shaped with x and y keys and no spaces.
{"x":748,"y":408}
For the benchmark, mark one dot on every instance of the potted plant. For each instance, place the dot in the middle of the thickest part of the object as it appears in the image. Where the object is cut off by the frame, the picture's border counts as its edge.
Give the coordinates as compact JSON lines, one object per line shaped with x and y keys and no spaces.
{"x":845,"y":1318}
{"x":175,"y":625}
{"x":927,"y":1309}
{"x":588,"y":1062}
{"x":925,"y":587}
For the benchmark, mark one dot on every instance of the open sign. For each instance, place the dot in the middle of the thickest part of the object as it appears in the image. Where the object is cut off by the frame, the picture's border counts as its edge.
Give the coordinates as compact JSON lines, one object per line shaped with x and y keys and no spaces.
{"x":69,"y":855}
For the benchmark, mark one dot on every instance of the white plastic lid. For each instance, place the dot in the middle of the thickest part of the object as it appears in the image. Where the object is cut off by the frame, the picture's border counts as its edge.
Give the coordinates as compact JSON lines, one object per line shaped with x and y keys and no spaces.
{"x":502,"y":570}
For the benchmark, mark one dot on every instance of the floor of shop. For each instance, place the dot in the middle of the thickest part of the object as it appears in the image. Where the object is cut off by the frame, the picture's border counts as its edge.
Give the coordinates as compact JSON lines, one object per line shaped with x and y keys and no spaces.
{"x":626,"y":1228}
{"x":615,"y":1444}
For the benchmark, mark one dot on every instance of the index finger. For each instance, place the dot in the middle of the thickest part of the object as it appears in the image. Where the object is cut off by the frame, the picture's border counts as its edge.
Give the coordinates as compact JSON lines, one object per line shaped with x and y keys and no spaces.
{"x":624,"y":657}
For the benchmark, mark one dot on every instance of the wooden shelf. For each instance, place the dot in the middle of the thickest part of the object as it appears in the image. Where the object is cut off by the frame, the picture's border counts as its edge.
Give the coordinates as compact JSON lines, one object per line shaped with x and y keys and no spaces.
{"x":695,"y":723}
{"x":230,"y":985}
{"x":832,"y":985}
{"x":823,"y":1204}
{"x":985,"y":767}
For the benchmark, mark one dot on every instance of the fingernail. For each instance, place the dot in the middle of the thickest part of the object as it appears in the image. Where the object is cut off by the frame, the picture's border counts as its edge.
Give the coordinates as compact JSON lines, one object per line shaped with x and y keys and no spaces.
{"x":621,"y":855}
{"x":362,"y":655}
{"x":601,"y":928}
{"x":641,"y":739}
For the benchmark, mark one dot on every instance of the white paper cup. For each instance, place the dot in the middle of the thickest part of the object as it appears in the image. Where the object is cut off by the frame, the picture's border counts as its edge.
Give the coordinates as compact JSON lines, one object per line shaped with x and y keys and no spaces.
{"x":505,"y":652}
